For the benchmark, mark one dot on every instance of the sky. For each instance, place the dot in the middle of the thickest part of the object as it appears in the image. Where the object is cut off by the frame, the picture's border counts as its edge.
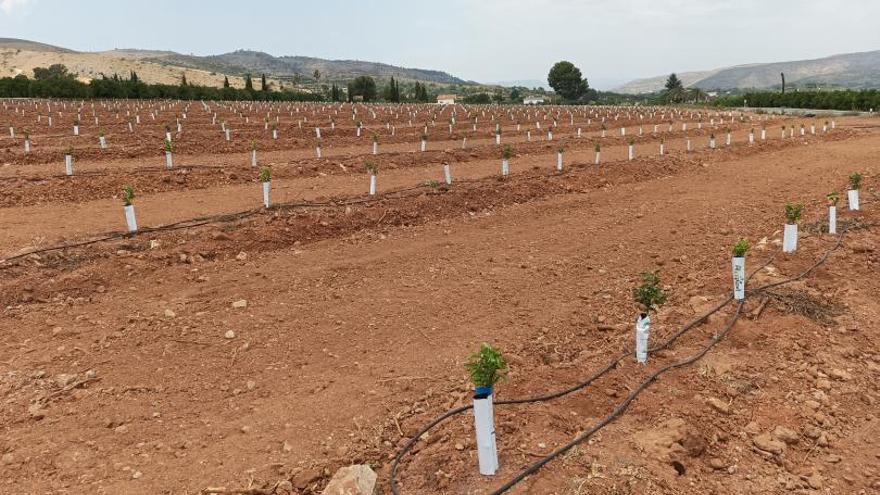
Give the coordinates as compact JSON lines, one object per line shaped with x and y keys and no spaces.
{"x":611,"y":41}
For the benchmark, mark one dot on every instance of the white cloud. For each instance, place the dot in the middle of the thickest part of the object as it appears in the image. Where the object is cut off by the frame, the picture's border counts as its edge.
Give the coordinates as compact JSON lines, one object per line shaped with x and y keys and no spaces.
{"x":12,"y":6}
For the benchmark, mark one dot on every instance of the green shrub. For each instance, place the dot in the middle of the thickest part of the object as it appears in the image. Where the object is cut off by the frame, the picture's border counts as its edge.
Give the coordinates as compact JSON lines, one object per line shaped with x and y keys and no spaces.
{"x":649,"y":295}
{"x":372,"y":168}
{"x":486,"y":367}
{"x":740,"y":248}
{"x":127,"y":195}
{"x":855,"y":180}
{"x":793,"y":212}
{"x":265,"y":174}
{"x":833,"y":197}
{"x":506,"y":152}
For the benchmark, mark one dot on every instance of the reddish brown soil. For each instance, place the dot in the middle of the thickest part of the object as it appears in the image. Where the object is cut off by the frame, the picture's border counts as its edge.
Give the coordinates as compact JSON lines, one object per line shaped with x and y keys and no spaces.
{"x":117,"y":376}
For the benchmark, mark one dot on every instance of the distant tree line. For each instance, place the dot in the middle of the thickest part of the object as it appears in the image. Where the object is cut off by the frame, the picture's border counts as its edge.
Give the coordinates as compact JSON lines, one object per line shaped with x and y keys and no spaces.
{"x":846,"y":100}
{"x":56,"y":82}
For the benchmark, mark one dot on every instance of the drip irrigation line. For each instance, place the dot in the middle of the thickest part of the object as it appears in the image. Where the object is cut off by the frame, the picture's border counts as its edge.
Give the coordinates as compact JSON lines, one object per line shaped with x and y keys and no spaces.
{"x":621,"y":408}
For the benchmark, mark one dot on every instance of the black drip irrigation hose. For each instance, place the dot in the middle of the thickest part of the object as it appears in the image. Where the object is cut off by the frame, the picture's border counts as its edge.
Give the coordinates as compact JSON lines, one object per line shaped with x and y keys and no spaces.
{"x":624,"y":405}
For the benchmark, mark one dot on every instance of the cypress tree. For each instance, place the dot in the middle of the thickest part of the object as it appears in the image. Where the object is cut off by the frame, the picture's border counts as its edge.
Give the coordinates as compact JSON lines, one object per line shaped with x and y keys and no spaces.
{"x":263,"y":80}
{"x":225,"y":81}
{"x":248,"y":83}
{"x":183,"y":79}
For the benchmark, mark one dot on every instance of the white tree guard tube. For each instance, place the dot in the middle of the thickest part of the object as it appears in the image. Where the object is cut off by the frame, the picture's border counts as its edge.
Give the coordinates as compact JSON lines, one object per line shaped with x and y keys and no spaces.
{"x":559,"y":162}
{"x":130,"y":218}
{"x":27,"y":146}
{"x":598,"y":157}
{"x":505,"y":167}
{"x":789,"y":238}
{"x":424,"y":145}
{"x":68,"y":164}
{"x":253,"y":158}
{"x":375,"y":148}
{"x":447,"y":174}
{"x":103,"y":141}
{"x":372,"y":185}
{"x":739,"y":278}
{"x":274,"y":133}
{"x":852,"y":197}
{"x":318,"y":132}
{"x":832,"y":219}
{"x":484,"y":422}
{"x":169,"y":161}
{"x":318,"y":151}
{"x":632,"y":152}
{"x":266,"y":187}
{"x":643,"y":330}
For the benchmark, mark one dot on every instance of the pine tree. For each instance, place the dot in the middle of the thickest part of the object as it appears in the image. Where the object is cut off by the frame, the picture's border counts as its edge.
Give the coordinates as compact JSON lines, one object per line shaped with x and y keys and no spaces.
{"x":183,"y":79}
{"x":248,"y":83}
{"x":225,"y":81}
{"x":263,"y":81}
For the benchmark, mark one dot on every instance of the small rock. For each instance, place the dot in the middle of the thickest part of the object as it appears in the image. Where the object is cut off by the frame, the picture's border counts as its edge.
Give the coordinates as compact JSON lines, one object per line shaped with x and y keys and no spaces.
{"x":358,"y":479}
{"x":286,"y":447}
{"x":7,"y":459}
{"x":229,"y":335}
{"x":841,"y":375}
{"x":240,"y":304}
{"x":36,"y":411}
{"x":459,"y":446}
{"x":823,"y":384}
{"x":719,"y":405}
{"x":717,"y":463}
{"x":136,"y":475}
{"x":306,"y":477}
{"x":786,"y":435}
{"x":242,"y":256}
{"x":169,"y":313}
{"x":65,"y":379}
{"x":767,"y":443}
{"x":815,"y":481}
{"x":155,"y":243}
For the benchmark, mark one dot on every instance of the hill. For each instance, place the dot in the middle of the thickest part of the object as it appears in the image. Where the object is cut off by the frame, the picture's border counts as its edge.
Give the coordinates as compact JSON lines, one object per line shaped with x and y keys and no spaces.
{"x":167,"y":67}
{"x":852,"y":70}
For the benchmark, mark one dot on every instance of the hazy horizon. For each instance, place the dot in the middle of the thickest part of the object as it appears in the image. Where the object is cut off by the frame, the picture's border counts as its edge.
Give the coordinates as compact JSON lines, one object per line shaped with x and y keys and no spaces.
{"x":486,"y":41}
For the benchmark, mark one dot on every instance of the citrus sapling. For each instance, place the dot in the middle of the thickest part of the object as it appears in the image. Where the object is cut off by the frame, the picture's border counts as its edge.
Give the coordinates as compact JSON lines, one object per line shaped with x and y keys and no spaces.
{"x":739,"y":268}
{"x":790,"y":234}
{"x":128,"y":207}
{"x":833,"y":198}
{"x":649,"y":296}
{"x":852,"y":195}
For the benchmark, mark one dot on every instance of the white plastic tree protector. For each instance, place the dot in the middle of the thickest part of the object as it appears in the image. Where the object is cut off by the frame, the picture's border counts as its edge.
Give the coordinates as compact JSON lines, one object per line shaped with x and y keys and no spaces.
{"x":789,"y":238}
{"x":643,"y":330}
{"x":318,"y":151}
{"x":130,"y":219}
{"x":484,"y":422}
{"x":447,"y":174}
{"x":168,"y":160}
{"x":598,"y":157}
{"x":266,"y":186}
{"x":68,"y":164}
{"x":832,"y":219}
{"x":505,"y":167}
{"x":253,"y":158}
{"x":274,"y":133}
{"x":318,"y":132}
{"x":852,"y":197}
{"x":103,"y":141}
{"x":632,"y":152}
{"x":739,"y":278}
{"x":375,"y":148}
{"x":559,"y":162}
{"x":372,"y":185}
{"x":424,"y":145}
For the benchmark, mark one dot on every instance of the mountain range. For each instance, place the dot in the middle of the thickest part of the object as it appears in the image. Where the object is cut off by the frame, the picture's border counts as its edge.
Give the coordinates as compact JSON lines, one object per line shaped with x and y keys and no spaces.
{"x":851,"y":70}
{"x":167,"y":67}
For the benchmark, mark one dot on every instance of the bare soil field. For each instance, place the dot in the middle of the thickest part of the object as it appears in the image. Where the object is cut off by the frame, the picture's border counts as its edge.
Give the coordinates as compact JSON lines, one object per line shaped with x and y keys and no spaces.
{"x":231,"y":348}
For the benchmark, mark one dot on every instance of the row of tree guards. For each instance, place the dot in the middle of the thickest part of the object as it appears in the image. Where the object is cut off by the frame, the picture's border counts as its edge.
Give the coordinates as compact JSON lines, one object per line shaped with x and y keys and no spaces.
{"x":507,"y":152}
{"x":487,"y":367}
